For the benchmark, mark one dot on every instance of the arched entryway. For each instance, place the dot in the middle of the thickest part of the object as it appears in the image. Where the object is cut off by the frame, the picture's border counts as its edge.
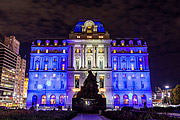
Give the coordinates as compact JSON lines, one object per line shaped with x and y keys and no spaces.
{"x":143,"y":99}
{"x":116,"y":101}
{"x":43,"y":99}
{"x":34,"y":100}
{"x":62,"y":100}
{"x":135,"y":100}
{"x":53,"y":99}
{"x":126,"y":99}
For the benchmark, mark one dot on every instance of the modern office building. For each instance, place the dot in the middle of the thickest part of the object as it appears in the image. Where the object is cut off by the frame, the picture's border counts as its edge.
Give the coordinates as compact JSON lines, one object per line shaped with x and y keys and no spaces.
{"x":58,"y":68}
{"x":12,"y":70}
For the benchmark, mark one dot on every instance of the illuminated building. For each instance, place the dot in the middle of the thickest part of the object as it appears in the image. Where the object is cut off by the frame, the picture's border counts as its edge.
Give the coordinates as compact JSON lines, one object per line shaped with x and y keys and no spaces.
{"x":12,"y":70}
{"x":58,"y":68}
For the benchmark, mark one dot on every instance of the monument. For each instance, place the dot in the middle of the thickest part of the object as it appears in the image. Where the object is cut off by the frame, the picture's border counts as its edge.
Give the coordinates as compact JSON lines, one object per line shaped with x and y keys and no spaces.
{"x":88,"y":99}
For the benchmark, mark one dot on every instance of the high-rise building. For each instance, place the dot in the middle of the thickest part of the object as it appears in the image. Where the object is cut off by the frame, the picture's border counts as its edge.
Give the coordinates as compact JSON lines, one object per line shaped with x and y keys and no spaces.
{"x":12,"y":71}
{"x":25,"y":89}
{"x":58,"y":68}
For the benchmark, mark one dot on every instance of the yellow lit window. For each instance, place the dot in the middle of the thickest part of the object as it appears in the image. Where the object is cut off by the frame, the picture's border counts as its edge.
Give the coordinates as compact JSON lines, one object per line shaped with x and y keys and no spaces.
{"x":115,"y":75}
{"x":124,"y":75}
{"x":142,"y":75}
{"x":64,"y":51}
{"x":54,"y":68}
{"x":63,"y":59}
{"x":78,"y":36}
{"x":43,"y":100}
{"x":114,"y":51}
{"x":123,"y":68}
{"x":37,"y":67}
{"x":133,"y":75}
{"x":89,"y":50}
{"x":114,"y":44}
{"x":132,"y":59}
{"x":64,"y":43}
{"x":45,"y":75}
{"x":89,"y":31}
{"x":77,"y":50}
{"x":36,"y":75}
{"x":47,"y":43}
{"x":131,"y":51}
{"x":141,"y":67}
{"x":63,"y":66}
{"x":89,"y":36}
{"x":100,"y":50}
{"x":140,"y":59}
{"x":55,"y":43}
{"x":46,"y":50}
{"x":54,"y":75}
{"x":132,"y":66}
{"x":89,"y":27}
{"x":38,"y":51}
{"x":45,"y":67}
{"x":122,"y":44}
{"x":39,"y":44}
{"x":115,"y":67}
{"x":55,"y":59}
{"x":139,"y":51}
{"x":101,"y":36}
{"x":114,"y":59}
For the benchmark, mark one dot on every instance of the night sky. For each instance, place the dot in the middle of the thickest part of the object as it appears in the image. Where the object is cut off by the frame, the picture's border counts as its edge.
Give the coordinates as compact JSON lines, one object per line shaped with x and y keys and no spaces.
{"x":157,"y":21}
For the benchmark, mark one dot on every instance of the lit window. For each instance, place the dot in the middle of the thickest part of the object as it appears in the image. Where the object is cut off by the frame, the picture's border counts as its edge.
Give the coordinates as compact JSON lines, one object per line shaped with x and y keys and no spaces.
{"x":115,"y":75}
{"x":76,"y":81}
{"x":142,"y":75}
{"x":39,"y":44}
{"x":38,"y":51}
{"x":77,"y":50}
{"x":64,"y":51}
{"x":123,"y":68}
{"x":114,"y":44}
{"x":45,"y":67}
{"x":115,"y":59}
{"x":100,"y":50}
{"x":54,"y":75}
{"x":89,"y":27}
{"x":64,"y":43}
{"x":37,"y":67}
{"x":139,"y":51}
{"x":141,"y":67}
{"x":122,"y":44}
{"x":43,"y":100}
{"x":101,"y":81}
{"x":101,"y":36}
{"x":114,"y":51}
{"x":131,"y":51}
{"x":89,"y":31}
{"x":89,"y":50}
{"x":78,"y":36}
{"x":46,"y":60}
{"x":140,"y":59}
{"x":63,"y":66}
{"x":45,"y":75}
{"x":133,"y":75}
{"x":89,"y":36}
{"x":55,"y":43}
{"x":132,"y":59}
{"x":36,"y":75}
{"x":55,"y":59}
{"x":124,"y":75}
{"x":47,"y":43}
{"x":132,"y":66}
{"x":46,"y":50}
{"x":63,"y":59}
{"x":54,"y":68}
{"x":115,"y":67}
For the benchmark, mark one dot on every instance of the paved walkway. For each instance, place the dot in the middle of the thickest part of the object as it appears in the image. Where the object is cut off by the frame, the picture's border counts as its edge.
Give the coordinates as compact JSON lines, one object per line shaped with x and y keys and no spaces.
{"x":89,"y":117}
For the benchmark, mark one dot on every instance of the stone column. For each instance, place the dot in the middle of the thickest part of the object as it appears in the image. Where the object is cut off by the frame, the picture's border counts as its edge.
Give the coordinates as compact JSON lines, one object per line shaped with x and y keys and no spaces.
{"x":85,"y":50}
{"x":81,"y":56}
{"x":94,"y":57}
{"x":97,"y":56}
{"x":109,"y":57}
{"x":105,"y":58}
{"x":69,"y":57}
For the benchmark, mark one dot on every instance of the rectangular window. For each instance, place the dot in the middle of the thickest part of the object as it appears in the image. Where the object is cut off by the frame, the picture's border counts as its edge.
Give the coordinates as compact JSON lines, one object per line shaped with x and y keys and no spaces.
{"x":141,"y":67}
{"x":46,"y":50}
{"x":37,"y":67}
{"x":77,"y":64}
{"x":132,"y":66}
{"x":101,"y":64}
{"x":63,"y":66}
{"x":115,"y":67}
{"x":89,"y":64}
{"x":101,"y":81}
{"x":89,"y":36}
{"x":101,"y":36}
{"x":45,"y":67}
{"x":78,"y":36}
{"x":76,"y":81}
{"x":125,"y":84}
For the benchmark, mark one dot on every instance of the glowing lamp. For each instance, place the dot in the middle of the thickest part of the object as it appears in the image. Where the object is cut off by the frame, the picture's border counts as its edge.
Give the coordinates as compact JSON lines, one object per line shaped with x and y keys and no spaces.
{"x":48,"y":83}
{"x":167,"y":87}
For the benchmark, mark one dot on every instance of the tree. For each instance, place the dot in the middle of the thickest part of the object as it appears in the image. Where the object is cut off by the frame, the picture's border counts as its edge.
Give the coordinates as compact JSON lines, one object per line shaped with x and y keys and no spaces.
{"x":175,"y":95}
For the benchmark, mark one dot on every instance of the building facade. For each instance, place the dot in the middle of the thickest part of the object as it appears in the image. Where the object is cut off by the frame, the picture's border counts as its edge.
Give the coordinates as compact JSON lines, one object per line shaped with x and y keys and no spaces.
{"x":12,"y":71}
{"x":58,"y":68}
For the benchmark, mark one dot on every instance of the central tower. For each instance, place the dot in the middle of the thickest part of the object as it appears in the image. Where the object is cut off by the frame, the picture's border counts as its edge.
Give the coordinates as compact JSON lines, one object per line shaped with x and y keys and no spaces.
{"x":89,"y":49}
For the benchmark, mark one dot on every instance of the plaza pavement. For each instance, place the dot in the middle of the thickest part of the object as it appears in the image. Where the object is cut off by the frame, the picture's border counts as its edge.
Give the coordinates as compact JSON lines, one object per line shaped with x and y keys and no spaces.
{"x":81,"y":116}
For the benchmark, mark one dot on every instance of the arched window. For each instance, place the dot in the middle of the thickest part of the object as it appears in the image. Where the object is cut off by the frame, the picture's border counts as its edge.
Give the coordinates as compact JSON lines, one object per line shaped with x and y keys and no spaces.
{"x":75,"y":96}
{"x":34,"y":99}
{"x":53,"y":99}
{"x":116,"y":101}
{"x":143,"y":99}
{"x":126,"y":99}
{"x":135,"y":100}
{"x":43,"y":99}
{"x":102,"y":95}
{"x":62,"y":100}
